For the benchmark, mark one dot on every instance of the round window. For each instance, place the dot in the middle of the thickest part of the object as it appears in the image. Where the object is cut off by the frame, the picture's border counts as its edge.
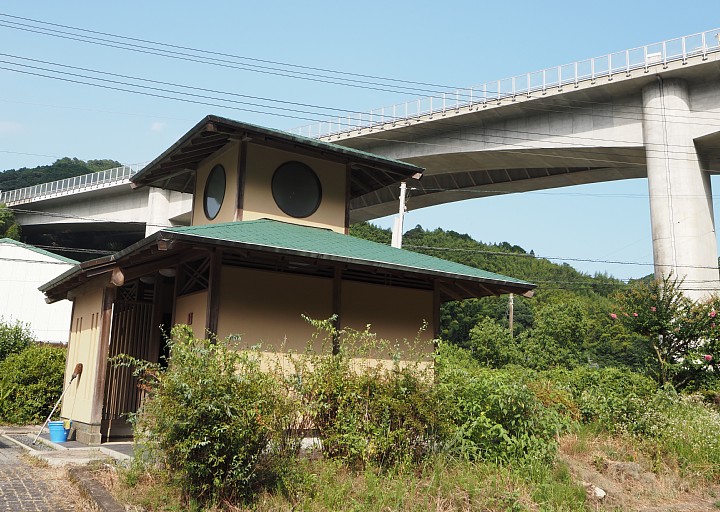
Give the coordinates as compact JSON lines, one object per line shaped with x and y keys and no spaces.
{"x":296,"y":189}
{"x":214,"y":191}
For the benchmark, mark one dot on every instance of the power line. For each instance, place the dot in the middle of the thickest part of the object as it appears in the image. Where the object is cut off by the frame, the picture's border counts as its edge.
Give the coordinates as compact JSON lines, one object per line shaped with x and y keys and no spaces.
{"x":186,"y":100}
{"x":28,"y":154}
{"x":124,"y":39}
{"x":225,"y":64}
{"x":74,"y":249}
{"x":436,"y":248}
{"x":152,"y":88}
{"x":271,"y":100}
{"x":35,"y":261}
{"x":559,"y":258}
{"x":139,"y":89}
{"x":259,"y":98}
{"x":239,"y":57}
{"x":172,"y":84}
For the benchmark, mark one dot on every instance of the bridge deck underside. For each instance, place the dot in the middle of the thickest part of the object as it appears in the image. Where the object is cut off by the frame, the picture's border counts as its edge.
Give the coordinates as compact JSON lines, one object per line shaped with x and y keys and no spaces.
{"x":450,"y":177}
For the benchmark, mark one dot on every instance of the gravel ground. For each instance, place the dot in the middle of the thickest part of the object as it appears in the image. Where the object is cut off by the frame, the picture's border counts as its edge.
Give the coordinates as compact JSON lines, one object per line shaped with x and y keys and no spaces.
{"x":27,"y":440}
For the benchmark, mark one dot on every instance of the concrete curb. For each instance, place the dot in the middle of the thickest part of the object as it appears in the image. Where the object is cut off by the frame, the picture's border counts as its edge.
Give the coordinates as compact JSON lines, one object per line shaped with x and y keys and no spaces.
{"x":93,"y":490}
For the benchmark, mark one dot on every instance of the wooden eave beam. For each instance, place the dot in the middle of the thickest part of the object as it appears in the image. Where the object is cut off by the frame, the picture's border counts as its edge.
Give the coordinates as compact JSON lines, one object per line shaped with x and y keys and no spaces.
{"x":450,"y":292}
{"x":201,"y":150}
{"x":295,"y":147}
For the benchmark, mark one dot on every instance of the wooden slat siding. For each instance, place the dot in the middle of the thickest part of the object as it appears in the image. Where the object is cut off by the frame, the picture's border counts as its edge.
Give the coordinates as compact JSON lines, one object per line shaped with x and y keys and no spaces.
{"x":213,"y":296}
{"x":436,"y":310}
{"x":146,"y":347}
{"x":156,"y":320}
{"x":337,"y":306}
{"x":132,"y":336}
{"x":103,"y":348}
{"x":176,"y":291}
{"x":112,"y":393}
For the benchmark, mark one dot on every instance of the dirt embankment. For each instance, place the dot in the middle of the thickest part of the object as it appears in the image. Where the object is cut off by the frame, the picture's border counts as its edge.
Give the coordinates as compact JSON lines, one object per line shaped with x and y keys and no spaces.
{"x":617,"y":477}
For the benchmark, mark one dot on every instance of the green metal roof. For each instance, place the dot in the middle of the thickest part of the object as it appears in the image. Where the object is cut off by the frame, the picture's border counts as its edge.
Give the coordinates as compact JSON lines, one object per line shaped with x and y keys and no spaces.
{"x":327,"y":244}
{"x":282,"y":239}
{"x":37,"y":250}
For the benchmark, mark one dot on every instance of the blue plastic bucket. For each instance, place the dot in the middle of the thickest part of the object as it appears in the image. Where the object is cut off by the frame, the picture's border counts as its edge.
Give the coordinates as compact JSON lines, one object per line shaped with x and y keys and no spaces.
{"x":58,"y":432}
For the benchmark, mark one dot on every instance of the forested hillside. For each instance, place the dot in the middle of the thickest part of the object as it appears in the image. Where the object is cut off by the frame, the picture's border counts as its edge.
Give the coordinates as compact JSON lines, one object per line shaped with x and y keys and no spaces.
{"x":58,"y":170}
{"x":566,"y":323}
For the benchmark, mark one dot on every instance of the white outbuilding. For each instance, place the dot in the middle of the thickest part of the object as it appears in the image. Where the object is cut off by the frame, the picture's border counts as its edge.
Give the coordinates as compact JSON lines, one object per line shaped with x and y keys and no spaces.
{"x":23,"y":268}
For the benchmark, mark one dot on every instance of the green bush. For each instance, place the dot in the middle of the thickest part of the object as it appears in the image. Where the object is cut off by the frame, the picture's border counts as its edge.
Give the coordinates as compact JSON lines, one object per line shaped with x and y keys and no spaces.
{"x":31,"y":381}
{"x":494,"y":415}
{"x":14,"y":338}
{"x":613,"y":398}
{"x":491,"y":344}
{"x":214,"y":420}
{"x":683,"y":428}
{"x":367,"y":414}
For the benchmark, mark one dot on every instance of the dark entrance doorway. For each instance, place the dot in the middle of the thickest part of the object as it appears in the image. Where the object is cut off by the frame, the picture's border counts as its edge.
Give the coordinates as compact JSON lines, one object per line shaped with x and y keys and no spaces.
{"x":139,"y":312}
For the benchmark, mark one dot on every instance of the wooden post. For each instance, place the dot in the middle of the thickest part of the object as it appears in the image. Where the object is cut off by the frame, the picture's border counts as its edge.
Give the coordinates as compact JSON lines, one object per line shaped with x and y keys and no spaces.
{"x":337,"y":307}
{"x":109,"y":295}
{"x":241,"y":171}
{"x":348,"y":183}
{"x":436,"y":309}
{"x":213,"y":294}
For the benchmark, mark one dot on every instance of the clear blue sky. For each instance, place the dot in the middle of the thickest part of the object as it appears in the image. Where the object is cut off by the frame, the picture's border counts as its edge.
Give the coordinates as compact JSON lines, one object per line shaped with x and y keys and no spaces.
{"x":455,"y":44}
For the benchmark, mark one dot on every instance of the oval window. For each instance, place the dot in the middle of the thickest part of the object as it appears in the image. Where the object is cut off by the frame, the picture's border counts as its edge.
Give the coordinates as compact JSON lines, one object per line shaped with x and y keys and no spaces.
{"x":214,"y":191}
{"x":296,"y":189}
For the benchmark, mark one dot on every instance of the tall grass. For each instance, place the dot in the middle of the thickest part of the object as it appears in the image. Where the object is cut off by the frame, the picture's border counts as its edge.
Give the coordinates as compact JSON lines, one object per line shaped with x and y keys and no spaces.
{"x":395,"y":436}
{"x":681,"y":431}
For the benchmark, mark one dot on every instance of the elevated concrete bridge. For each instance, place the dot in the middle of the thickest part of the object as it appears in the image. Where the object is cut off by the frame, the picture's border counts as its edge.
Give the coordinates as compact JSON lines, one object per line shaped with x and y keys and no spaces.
{"x":95,"y":210}
{"x":652,"y":112}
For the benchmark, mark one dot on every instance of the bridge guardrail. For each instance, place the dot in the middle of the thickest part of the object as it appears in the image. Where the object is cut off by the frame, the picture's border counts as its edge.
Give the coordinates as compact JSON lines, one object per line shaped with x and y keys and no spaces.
{"x":57,"y":188}
{"x":672,"y":50}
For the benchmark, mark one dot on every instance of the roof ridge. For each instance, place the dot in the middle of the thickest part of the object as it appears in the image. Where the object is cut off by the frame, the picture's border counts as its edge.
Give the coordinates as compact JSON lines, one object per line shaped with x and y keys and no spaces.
{"x":38,"y":250}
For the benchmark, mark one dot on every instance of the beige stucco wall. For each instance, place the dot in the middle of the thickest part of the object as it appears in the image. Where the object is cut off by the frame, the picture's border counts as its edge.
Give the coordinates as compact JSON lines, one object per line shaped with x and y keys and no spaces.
{"x":192,"y":306}
{"x":266,"y":307}
{"x":83,"y":348}
{"x":393,"y":313}
{"x":259,"y":202}
{"x":228,"y":158}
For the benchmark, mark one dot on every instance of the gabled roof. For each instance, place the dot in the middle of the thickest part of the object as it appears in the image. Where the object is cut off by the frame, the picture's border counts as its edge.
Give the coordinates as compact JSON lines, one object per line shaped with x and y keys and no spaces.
{"x":175,"y":168}
{"x":300,"y":249}
{"x":62,"y":259}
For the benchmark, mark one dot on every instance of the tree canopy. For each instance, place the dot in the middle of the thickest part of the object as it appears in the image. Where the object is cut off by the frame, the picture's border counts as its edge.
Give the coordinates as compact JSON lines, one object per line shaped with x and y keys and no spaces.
{"x":9,"y":228}
{"x":60,"y":169}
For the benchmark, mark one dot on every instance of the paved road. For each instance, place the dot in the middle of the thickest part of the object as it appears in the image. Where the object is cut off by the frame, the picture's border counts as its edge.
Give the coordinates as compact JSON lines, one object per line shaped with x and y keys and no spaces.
{"x":24,"y":487}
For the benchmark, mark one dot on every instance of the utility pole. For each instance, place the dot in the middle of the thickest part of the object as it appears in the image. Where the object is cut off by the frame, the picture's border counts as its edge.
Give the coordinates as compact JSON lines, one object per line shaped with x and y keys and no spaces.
{"x":511,"y":310}
{"x":398,"y":226}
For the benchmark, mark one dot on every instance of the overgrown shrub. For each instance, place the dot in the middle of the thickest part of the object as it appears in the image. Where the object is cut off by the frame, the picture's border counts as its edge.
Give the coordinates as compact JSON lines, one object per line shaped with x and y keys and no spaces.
{"x":611,"y":397}
{"x":682,"y":428}
{"x":382,"y":414}
{"x":14,"y":338}
{"x":683,"y":334}
{"x":491,"y":344}
{"x":214,"y":420}
{"x":31,"y":381}
{"x":494,"y":414}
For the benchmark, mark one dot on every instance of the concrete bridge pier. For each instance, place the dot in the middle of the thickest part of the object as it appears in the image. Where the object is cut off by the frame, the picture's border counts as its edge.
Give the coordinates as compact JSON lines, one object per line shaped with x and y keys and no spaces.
{"x":681,"y":209}
{"x":166,"y":208}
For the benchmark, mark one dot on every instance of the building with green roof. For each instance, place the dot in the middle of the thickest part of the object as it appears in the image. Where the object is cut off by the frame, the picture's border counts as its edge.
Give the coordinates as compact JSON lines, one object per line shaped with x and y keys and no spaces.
{"x":267,"y":245}
{"x":23,"y":268}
